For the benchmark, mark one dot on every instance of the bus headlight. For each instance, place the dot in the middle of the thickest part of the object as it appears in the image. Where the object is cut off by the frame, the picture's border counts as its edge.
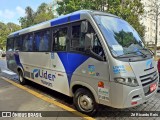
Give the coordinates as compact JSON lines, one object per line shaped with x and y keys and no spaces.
{"x":127,"y":81}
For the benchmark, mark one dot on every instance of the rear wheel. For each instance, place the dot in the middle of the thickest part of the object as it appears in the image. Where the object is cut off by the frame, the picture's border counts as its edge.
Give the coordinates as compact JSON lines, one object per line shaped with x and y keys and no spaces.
{"x":84,"y":101}
{"x":22,"y":80}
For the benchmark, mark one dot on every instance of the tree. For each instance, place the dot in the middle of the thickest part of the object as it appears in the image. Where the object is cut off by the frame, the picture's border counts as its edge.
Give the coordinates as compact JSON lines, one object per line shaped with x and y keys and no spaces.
{"x":3,"y":34}
{"x":5,"y":30}
{"x":42,"y":14}
{"x":13,"y":27}
{"x":155,"y":13}
{"x":68,"y":6}
{"x":129,"y":10}
{"x":28,"y":20}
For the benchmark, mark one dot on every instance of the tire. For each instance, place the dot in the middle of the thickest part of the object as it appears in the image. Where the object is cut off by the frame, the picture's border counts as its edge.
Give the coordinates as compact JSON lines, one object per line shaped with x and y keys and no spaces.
{"x":84,"y":101}
{"x":21,"y":78}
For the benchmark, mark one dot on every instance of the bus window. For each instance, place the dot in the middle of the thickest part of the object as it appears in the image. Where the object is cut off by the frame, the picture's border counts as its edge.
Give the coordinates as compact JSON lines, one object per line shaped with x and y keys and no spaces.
{"x":97,"y":47}
{"x":78,"y":39}
{"x":59,"y":39}
{"x":27,"y":42}
{"x":17,"y":44}
{"x":41,"y":41}
{"x":10,"y":42}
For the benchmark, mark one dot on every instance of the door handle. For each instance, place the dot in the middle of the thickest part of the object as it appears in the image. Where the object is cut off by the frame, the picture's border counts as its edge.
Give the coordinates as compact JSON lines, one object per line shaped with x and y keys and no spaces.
{"x":46,"y":52}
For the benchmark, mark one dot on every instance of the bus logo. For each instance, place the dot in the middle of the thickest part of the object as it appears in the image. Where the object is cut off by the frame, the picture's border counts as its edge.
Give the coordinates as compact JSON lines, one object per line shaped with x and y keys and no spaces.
{"x":35,"y":73}
{"x":91,"y":70}
{"x":43,"y":74}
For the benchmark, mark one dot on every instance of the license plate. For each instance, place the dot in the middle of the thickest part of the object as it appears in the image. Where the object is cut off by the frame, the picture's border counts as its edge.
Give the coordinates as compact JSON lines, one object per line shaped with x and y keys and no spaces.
{"x":153,"y":87}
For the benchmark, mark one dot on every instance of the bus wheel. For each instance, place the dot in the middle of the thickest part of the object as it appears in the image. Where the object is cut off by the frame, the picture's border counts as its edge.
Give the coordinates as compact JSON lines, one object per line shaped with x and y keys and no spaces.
{"x":84,"y":101}
{"x":21,"y":78}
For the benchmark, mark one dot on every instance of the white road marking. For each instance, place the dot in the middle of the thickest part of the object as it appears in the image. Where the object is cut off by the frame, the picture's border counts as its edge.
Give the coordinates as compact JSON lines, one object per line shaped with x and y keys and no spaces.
{"x":8,"y":72}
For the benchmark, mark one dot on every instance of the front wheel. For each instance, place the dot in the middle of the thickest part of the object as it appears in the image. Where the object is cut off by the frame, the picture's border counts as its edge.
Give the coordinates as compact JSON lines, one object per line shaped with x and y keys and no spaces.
{"x":22,"y":80}
{"x":84,"y":101}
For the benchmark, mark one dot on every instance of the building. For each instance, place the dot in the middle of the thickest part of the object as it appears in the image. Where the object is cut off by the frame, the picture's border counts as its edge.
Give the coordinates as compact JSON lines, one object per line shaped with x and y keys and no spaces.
{"x":149,"y":21}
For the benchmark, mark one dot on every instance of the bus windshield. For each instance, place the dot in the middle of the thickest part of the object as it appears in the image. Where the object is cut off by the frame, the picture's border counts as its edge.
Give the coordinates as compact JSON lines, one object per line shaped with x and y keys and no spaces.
{"x":122,"y":39}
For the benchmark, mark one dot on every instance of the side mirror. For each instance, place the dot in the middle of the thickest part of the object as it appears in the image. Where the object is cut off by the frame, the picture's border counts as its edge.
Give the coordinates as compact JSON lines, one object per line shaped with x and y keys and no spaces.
{"x":84,"y":26}
{"x":89,"y":41}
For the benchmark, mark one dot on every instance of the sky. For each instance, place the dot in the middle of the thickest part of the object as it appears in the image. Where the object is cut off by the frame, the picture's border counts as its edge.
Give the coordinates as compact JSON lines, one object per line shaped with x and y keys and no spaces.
{"x":12,"y":10}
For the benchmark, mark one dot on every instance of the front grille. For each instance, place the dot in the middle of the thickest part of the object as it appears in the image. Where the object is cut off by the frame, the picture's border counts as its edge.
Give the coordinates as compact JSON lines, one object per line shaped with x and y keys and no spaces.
{"x":147,"y":80}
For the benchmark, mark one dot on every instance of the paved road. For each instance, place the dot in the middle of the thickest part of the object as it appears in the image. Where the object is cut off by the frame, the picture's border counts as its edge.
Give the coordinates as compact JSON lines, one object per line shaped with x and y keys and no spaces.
{"x":3,"y":64}
{"x":152,"y":105}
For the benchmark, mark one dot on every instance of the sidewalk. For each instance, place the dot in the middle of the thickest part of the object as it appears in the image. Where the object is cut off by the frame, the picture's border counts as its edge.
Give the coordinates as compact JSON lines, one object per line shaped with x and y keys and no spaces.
{"x":15,"y":99}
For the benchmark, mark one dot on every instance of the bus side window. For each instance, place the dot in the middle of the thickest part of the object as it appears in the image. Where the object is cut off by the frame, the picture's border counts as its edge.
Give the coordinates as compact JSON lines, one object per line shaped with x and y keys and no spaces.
{"x":17,"y":44}
{"x":27,"y":42}
{"x":41,"y":41}
{"x":59,"y":39}
{"x":77,"y":38}
{"x":10,"y":44}
{"x":97,"y":47}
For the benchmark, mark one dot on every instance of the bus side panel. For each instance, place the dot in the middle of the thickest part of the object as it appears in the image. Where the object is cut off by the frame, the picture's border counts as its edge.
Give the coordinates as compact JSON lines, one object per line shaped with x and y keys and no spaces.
{"x":12,"y":60}
{"x":86,"y":71}
{"x":39,"y":68}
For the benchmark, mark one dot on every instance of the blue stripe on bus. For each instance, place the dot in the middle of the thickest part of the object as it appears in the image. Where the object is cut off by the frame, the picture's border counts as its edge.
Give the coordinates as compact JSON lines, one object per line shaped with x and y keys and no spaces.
{"x":71,"y":61}
{"x":59,"y":21}
{"x":16,"y":56}
{"x":65,"y":19}
{"x":75,"y":17}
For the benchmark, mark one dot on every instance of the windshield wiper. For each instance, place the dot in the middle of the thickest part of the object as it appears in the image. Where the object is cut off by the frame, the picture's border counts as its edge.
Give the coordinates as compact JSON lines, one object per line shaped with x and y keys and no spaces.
{"x":148,"y":51}
{"x":142,"y":54}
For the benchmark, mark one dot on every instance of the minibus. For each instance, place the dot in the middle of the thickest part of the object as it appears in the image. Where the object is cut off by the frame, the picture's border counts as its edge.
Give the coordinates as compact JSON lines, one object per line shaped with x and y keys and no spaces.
{"x":92,"y":56}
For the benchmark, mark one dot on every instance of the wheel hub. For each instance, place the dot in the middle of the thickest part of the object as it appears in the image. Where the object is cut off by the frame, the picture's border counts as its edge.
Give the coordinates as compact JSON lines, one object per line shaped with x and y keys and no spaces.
{"x":85,"y":103}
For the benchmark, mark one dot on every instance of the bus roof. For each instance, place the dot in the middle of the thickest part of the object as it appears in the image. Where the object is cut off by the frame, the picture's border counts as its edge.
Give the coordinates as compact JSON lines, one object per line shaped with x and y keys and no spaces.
{"x":75,"y":16}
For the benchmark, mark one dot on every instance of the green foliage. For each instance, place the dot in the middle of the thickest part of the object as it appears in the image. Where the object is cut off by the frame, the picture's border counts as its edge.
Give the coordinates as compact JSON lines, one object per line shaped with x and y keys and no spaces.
{"x":28,"y":19}
{"x":129,"y":10}
{"x":42,"y":14}
{"x":5,"y":30}
{"x":68,"y":6}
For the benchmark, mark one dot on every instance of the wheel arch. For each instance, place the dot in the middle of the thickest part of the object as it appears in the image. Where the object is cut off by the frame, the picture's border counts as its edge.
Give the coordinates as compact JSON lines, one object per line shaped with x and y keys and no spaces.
{"x":19,"y":68}
{"x":78,"y":84}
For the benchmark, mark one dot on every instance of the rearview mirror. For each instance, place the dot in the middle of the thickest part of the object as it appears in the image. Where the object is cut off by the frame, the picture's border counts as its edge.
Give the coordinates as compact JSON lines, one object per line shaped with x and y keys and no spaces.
{"x":84,"y":26}
{"x":89,"y":41}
